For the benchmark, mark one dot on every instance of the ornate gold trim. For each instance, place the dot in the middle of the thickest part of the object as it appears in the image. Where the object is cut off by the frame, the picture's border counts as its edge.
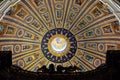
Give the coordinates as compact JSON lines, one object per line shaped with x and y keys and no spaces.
{"x":50,"y":48}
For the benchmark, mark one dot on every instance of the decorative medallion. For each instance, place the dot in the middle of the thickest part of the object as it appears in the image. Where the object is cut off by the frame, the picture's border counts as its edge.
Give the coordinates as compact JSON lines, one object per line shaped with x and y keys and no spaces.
{"x":59,"y":45}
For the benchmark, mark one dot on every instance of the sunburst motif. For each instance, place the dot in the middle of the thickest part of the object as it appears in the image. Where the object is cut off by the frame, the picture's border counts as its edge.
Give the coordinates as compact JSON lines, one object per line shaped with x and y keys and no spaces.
{"x":89,"y":28}
{"x":56,"y":50}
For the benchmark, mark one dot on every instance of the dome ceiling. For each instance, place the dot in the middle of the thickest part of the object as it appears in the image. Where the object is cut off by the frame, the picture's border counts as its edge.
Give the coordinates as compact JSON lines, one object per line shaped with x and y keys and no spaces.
{"x":62,"y":32}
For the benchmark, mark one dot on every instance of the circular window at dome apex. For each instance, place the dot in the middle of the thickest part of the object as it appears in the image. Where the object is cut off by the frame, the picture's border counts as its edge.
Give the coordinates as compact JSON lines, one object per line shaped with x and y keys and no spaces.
{"x":59,"y":45}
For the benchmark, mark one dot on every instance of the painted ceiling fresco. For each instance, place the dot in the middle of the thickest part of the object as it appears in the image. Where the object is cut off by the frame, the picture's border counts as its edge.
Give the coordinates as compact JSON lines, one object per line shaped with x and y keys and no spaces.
{"x":62,"y":32}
